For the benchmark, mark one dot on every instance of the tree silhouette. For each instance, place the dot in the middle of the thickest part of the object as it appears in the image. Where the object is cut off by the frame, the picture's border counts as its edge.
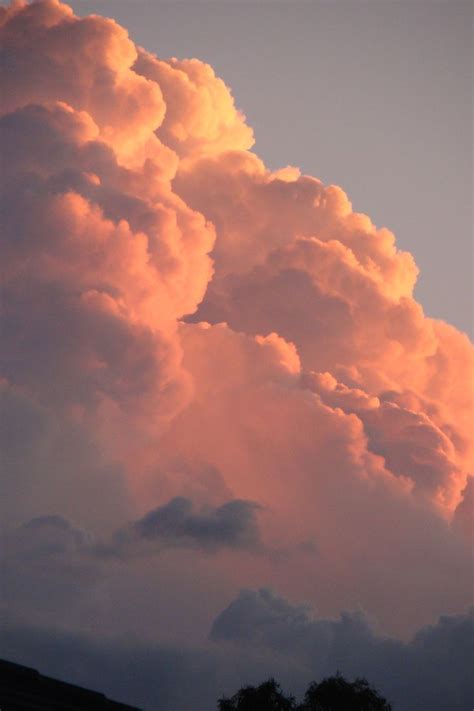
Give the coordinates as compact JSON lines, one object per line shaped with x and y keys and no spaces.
{"x":336,"y":694}
{"x":266,"y":697}
{"x":331,"y":694}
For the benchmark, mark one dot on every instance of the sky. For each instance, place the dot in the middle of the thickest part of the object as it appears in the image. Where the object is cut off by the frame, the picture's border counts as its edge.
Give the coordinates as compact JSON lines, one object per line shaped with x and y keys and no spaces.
{"x":375,"y":96}
{"x":233,"y":444}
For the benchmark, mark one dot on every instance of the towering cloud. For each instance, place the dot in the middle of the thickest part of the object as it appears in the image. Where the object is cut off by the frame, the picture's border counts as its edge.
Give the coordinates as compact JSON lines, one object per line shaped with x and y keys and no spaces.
{"x":189,"y":338}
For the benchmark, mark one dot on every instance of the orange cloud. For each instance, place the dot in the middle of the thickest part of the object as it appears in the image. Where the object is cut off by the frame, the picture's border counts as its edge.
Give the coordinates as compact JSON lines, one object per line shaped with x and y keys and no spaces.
{"x":179,"y":321}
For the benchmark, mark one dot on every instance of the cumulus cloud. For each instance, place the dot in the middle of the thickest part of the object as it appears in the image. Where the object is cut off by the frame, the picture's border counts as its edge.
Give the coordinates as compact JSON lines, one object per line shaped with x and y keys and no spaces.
{"x":293,"y":258}
{"x":258,"y":635}
{"x":179,"y":523}
{"x":432,"y":671}
{"x":182,"y":326}
{"x":56,"y":573}
{"x":232,"y":525}
{"x":200,"y":117}
{"x":109,"y":255}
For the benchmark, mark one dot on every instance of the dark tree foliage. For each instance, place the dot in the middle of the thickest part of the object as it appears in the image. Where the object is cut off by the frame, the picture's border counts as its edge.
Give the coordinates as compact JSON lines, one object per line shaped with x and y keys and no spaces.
{"x":266,"y":697}
{"x":337,"y":694}
{"x":331,"y":694}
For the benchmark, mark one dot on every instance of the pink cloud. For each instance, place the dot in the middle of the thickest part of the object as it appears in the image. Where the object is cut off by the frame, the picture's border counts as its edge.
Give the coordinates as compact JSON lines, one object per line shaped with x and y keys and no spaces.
{"x":180,"y":321}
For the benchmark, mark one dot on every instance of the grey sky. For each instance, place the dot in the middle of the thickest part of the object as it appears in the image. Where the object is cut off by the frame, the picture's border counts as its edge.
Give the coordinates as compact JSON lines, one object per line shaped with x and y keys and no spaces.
{"x":374,"y":96}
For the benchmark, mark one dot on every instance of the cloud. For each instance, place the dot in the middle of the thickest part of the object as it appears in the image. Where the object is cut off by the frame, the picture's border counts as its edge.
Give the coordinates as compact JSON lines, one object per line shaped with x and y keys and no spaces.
{"x":58,"y":574}
{"x":463,"y":519}
{"x":258,"y":635}
{"x":182,"y":326}
{"x":178,"y":523}
{"x":432,"y":671}
{"x":51,"y":535}
{"x":231,"y":525}
{"x":200,"y":117}
{"x":47,"y":569}
{"x":294,"y":442}
{"x":100,"y":256}
{"x":292,"y":258}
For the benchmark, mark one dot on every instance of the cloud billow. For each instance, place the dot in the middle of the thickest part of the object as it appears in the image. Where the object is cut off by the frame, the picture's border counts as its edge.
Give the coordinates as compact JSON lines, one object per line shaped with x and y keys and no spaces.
{"x":432,"y":671}
{"x":262,"y":634}
{"x":184,"y":328}
{"x":231,"y":525}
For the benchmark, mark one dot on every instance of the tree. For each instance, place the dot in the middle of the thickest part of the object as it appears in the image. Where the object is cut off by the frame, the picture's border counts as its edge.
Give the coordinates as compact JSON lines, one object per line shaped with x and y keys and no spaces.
{"x":266,"y":697}
{"x":331,"y":694}
{"x":336,"y":694}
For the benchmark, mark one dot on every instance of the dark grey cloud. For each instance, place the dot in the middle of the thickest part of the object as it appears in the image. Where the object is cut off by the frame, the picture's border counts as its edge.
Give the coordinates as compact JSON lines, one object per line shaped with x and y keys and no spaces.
{"x":58,"y":573}
{"x":52,"y":540}
{"x":155,"y":677}
{"x":50,"y":535}
{"x":258,"y":635}
{"x":432,"y":672}
{"x":179,"y":522}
